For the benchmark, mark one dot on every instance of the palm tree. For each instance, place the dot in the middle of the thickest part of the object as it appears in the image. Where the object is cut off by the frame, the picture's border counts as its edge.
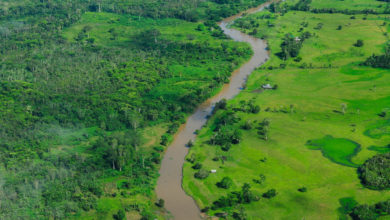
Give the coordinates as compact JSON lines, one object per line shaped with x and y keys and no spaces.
{"x":343,"y":108}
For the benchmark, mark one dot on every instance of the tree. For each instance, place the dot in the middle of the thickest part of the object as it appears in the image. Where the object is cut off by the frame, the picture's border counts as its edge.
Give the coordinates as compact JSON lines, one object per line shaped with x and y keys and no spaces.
{"x":202,"y":174}
{"x":375,"y":172}
{"x":364,"y":212}
{"x":197,"y":166}
{"x":343,"y":107}
{"x":270,"y":194}
{"x":121,"y":215}
{"x":359,"y":43}
{"x":160,"y":203}
{"x":225,"y":183}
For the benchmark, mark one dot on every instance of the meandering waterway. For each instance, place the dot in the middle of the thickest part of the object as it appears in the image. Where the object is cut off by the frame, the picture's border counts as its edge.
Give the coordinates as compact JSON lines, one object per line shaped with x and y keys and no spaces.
{"x":169,"y":185}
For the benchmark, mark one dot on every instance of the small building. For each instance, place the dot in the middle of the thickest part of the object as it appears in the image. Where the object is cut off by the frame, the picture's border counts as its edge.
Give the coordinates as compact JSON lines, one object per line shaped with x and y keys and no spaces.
{"x":297,"y":39}
{"x":213,"y":171}
{"x":267,"y":86}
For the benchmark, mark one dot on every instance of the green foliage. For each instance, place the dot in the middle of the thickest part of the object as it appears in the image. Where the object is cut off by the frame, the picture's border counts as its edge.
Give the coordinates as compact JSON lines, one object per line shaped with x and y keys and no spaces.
{"x":121,"y":215}
{"x":348,"y":204}
{"x":379,"y":61}
{"x":270,"y":194}
{"x":226,"y":135}
{"x":359,"y":43}
{"x":302,"y":189}
{"x":81,"y":81}
{"x":160,"y":203}
{"x":245,"y":196}
{"x":197,"y":166}
{"x":225,"y":183}
{"x":364,"y":212}
{"x":291,"y":45}
{"x":202,"y":174}
{"x":375,"y":172}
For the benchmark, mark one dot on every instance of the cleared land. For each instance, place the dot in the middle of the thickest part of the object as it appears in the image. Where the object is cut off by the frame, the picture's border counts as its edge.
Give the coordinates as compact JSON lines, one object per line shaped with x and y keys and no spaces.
{"x":326,"y":92}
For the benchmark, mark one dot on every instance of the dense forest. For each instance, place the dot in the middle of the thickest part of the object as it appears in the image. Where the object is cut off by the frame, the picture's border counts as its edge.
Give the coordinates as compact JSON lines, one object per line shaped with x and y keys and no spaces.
{"x":73,"y":111}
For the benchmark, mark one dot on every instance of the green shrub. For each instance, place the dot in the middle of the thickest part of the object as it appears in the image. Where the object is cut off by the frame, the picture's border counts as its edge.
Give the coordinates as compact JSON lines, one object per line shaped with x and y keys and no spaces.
{"x":225,"y":183}
{"x":270,"y":194}
{"x":202,"y":174}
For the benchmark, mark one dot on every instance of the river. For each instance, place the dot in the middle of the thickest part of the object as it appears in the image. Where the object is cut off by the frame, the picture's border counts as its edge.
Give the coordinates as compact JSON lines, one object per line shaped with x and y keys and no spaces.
{"x":169,"y":185}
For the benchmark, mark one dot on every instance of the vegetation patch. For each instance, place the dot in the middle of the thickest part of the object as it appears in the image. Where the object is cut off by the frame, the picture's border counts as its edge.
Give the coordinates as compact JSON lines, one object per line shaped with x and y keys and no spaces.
{"x":338,"y":150}
{"x":350,"y":207}
{"x":375,"y":172}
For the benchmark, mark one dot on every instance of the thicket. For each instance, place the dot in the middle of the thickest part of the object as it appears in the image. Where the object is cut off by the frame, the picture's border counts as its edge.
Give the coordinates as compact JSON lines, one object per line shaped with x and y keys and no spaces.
{"x":363,"y":211}
{"x":245,"y":196}
{"x":375,"y":172}
{"x":292,"y":45}
{"x":379,"y":61}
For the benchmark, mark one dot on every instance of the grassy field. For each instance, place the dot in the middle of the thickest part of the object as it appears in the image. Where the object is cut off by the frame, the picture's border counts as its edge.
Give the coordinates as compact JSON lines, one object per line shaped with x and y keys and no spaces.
{"x":326,"y":93}
{"x":350,"y":4}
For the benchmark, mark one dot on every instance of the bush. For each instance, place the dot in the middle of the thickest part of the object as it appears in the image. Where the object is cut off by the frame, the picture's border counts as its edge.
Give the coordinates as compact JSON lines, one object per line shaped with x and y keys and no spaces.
{"x":375,"y":172}
{"x":302,"y":189}
{"x":359,"y":43}
{"x":270,"y":194}
{"x":202,"y":174}
{"x":160,"y":203}
{"x":197,"y":166}
{"x":121,"y":215}
{"x":225,"y":183}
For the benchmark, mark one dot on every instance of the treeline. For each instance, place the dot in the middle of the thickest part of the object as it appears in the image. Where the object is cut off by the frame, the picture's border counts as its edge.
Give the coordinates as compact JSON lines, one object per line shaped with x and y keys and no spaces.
{"x":363,"y":211}
{"x":305,"y":5}
{"x":379,"y":61}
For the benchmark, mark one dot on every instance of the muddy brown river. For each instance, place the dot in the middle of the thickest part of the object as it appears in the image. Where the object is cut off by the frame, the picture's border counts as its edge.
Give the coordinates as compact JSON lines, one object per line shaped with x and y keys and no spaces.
{"x":169,"y":185}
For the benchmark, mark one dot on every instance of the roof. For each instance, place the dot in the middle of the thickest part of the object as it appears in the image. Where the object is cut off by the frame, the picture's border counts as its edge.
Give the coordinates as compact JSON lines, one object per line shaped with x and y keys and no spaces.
{"x":266,"y":86}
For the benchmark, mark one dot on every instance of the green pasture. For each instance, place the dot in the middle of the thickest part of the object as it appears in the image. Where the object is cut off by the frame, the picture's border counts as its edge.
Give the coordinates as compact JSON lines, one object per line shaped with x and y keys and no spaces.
{"x":330,"y":95}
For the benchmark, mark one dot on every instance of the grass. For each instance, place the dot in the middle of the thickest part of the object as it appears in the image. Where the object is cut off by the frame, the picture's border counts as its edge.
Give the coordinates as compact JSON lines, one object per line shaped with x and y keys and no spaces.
{"x":350,"y":4}
{"x":338,"y":150}
{"x":316,"y":93}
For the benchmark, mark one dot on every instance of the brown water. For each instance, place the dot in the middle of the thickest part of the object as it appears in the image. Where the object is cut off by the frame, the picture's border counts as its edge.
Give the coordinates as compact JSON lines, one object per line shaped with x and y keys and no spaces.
{"x":169,"y":185}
